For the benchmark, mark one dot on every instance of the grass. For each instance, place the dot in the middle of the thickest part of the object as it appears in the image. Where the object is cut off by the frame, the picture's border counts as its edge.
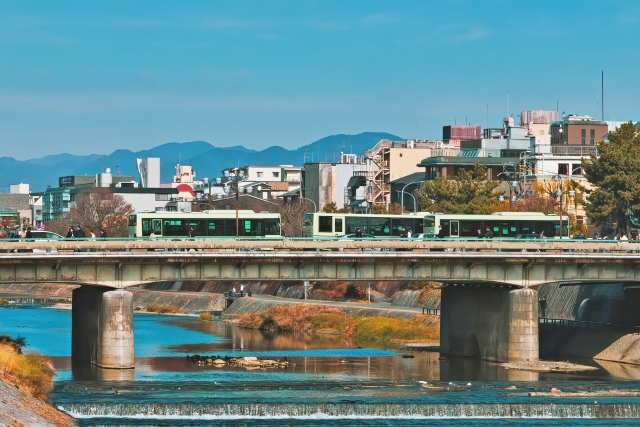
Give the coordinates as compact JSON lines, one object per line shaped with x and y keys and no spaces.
{"x":374,"y":331}
{"x":31,"y":372}
{"x":205,"y":316}
{"x":162,"y":309}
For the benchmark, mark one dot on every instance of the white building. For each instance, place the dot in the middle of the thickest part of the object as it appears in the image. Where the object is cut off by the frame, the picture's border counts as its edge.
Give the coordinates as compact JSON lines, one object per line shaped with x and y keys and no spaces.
{"x":149,"y":172}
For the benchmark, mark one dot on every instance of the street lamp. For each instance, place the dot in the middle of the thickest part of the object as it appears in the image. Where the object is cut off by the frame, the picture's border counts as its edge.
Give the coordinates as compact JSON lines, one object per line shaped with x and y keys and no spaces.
{"x":208,"y":183}
{"x":558,"y":180}
{"x":402,"y":195}
{"x":315,"y":207}
{"x":512,"y":198}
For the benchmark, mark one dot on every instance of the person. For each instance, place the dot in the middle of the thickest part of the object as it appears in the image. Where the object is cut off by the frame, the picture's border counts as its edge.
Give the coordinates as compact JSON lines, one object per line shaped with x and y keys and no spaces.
{"x":23,"y":233}
{"x":488,"y":233}
{"x":479,"y":235}
{"x":70,"y":232}
{"x":441,"y":234}
{"x":79,"y":233}
{"x":103,"y":233}
{"x":595,"y":236}
{"x":542,"y":236}
{"x":403,"y":233}
{"x":92,"y":235}
{"x":543,"y":306}
{"x":358,"y":232}
{"x":191,"y":232}
{"x":233,"y":290}
{"x":152,"y":235}
{"x":409,"y":233}
{"x":28,"y":234}
{"x":241,"y":290}
{"x":624,"y":237}
{"x":617,"y":237}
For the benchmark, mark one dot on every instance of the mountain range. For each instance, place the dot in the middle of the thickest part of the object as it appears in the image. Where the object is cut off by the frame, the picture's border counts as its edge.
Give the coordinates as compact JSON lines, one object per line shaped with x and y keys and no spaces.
{"x":206,"y":159}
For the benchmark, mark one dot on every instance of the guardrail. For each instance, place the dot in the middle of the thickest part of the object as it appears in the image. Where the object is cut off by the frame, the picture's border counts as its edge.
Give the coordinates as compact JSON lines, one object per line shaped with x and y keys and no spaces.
{"x":434,"y":311}
{"x":584,"y":324}
{"x":579,"y":247}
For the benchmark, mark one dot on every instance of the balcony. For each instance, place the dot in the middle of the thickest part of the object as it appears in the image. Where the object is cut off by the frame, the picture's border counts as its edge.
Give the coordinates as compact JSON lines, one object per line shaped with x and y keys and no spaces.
{"x":574,"y":150}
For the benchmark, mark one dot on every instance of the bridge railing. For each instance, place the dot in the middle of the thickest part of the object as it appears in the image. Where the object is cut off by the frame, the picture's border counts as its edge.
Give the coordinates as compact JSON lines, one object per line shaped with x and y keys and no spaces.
{"x":321,"y":244}
{"x":585,"y":324}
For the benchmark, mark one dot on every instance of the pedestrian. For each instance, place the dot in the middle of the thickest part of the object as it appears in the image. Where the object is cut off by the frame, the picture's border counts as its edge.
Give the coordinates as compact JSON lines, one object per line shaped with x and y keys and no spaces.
{"x":103,"y":233}
{"x":543,"y":306}
{"x":441,"y":232}
{"x":479,"y":235}
{"x":233,"y":290}
{"x":79,"y":234}
{"x":28,"y":234}
{"x":152,"y":235}
{"x":358,"y":232}
{"x":624,"y":237}
{"x":409,"y":233}
{"x":403,"y":233}
{"x":92,"y":235}
{"x":70,"y":232}
{"x":488,"y":233}
{"x":595,"y":236}
{"x":241,"y":290}
{"x":191,"y":232}
{"x":542,"y":236}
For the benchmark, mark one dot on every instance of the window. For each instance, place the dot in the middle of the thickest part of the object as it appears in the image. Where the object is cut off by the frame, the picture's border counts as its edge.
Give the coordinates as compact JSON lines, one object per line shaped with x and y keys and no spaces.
{"x":592,"y":137}
{"x":276,"y":174}
{"x":576,"y":169}
{"x":563,"y":168}
{"x":338,"y":225}
{"x":324,"y":224}
{"x":259,"y":174}
{"x":583,"y":134}
{"x":162,"y":197}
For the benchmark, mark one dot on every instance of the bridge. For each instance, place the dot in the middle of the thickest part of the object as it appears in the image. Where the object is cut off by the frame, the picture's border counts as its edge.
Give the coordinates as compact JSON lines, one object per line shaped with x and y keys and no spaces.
{"x":488,"y":308}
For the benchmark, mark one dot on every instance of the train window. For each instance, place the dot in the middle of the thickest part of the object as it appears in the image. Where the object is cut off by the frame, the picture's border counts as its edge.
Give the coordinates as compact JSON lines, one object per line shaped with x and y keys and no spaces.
{"x":324,"y":224}
{"x":338,"y":225}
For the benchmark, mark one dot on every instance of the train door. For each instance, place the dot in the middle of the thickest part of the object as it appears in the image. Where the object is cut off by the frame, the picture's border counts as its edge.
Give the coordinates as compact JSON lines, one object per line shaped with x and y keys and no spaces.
{"x":157,"y":227}
{"x":338,"y":227}
{"x":455,"y":229}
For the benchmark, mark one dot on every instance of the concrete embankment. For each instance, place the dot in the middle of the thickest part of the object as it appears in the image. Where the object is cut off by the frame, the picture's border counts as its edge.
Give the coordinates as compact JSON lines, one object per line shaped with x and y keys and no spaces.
{"x":189,"y":302}
{"x":255,"y":305}
{"x":18,"y":408}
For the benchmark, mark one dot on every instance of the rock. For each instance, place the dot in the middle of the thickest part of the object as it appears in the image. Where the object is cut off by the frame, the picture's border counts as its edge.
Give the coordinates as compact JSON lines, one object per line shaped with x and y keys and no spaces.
{"x":555,"y":390}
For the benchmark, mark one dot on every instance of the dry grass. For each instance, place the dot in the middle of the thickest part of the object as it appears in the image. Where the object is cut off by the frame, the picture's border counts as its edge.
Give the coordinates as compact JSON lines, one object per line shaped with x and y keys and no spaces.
{"x":3,"y":301}
{"x":205,"y":316}
{"x":32,"y":372}
{"x":363,"y":330}
{"x":162,"y":309}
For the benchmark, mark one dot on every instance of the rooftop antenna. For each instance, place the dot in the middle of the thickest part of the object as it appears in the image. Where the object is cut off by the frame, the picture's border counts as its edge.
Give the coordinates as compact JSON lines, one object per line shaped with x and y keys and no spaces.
{"x":117,"y":170}
{"x":487,"y":114}
{"x":508,"y":102}
{"x":350,"y":143}
{"x":304,"y":157}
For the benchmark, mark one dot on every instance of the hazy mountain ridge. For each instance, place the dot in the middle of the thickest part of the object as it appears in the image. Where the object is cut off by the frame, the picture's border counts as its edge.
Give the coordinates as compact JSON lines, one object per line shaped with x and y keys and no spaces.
{"x":206,"y":159}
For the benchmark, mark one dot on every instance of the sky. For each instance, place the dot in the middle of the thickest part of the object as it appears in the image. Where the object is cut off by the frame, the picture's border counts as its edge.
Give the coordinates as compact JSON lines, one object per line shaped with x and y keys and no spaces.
{"x":91,"y":77}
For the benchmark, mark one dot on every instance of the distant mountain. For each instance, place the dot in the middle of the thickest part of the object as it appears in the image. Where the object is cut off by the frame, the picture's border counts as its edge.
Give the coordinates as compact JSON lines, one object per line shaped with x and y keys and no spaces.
{"x":206,"y":159}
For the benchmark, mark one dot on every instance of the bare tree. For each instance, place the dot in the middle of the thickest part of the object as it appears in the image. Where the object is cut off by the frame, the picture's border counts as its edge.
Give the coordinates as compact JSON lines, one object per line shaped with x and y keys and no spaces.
{"x":291,"y":215}
{"x":98,"y":209}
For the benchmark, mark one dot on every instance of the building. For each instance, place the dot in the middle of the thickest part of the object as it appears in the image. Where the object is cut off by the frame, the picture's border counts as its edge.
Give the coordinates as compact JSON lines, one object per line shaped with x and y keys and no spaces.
{"x":16,"y":205}
{"x":402,"y":191}
{"x":388,"y":161}
{"x":149,"y":172}
{"x":537,"y":122}
{"x":183,"y":180}
{"x":575,"y":132}
{"x":333,"y":182}
{"x":452,"y":135}
{"x":19,"y":188}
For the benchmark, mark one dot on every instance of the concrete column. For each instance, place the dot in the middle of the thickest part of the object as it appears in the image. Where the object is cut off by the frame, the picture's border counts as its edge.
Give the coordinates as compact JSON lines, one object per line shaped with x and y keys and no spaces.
{"x":490,"y":322}
{"x":519,"y":340}
{"x":102,"y":327}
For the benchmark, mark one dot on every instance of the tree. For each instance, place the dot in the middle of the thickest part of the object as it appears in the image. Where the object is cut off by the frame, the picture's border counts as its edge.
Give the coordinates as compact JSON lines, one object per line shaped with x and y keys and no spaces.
{"x":616,"y":174}
{"x":331,"y":207}
{"x":396,"y":209}
{"x":292,"y":214}
{"x":98,"y":209}
{"x":379,"y":210}
{"x":468,"y":193}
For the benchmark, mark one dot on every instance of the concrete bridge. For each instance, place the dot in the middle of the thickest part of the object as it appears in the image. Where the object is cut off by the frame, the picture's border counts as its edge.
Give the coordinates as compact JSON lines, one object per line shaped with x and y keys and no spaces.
{"x":488,"y":308}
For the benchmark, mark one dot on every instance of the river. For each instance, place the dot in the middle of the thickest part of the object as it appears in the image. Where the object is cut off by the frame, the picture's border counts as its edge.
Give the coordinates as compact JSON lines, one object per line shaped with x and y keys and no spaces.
{"x":328,"y":381}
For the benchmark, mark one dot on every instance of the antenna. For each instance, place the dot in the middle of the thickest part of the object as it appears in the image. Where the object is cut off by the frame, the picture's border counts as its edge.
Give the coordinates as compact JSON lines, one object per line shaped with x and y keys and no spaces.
{"x":603,"y":95}
{"x":117,"y":170}
{"x":487,"y":114}
{"x":508,"y":103}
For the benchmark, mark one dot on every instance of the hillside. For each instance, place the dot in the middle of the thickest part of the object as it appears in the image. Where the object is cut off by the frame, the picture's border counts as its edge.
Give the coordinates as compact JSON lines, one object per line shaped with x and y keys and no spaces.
{"x":206,"y":159}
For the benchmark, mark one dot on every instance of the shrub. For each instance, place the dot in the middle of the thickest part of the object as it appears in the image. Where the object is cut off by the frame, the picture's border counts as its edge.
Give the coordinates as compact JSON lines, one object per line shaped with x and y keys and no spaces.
{"x":205,"y":316}
{"x":162,"y":309}
{"x":355,"y":292}
{"x":3,"y":301}
{"x":32,"y":372}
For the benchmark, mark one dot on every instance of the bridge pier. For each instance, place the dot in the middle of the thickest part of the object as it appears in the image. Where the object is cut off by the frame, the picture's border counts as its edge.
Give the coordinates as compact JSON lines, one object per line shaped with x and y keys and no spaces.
{"x":102,"y":327}
{"x":491,"y":323}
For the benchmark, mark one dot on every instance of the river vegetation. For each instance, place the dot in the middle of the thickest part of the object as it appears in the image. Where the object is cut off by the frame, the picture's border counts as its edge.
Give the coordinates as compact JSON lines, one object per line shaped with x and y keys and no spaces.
{"x":205,"y":316}
{"x":3,"y":301}
{"x":162,"y":309}
{"x":32,"y":373}
{"x":374,"y":331}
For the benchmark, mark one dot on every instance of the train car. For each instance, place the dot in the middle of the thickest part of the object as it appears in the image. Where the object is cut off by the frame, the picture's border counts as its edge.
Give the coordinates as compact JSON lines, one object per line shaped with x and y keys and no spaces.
{"x":322,"y":224}
{"x":502,"y":224}
{"x":209,"y":223}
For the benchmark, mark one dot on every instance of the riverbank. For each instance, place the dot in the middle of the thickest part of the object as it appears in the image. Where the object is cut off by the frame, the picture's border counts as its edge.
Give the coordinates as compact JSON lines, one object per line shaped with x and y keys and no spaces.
{"x":25,"y":381}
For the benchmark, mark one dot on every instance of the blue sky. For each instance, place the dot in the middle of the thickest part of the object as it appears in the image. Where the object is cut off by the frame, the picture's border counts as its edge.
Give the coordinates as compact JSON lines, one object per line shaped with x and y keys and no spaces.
{"x":91,"y":77}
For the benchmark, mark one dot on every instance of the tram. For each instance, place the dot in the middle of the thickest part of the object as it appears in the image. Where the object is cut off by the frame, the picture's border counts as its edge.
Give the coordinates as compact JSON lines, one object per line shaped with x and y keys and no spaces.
{"x":322,"y":224}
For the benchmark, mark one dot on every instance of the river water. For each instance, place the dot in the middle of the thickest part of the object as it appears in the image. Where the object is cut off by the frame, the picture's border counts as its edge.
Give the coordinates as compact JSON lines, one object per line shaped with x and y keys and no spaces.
{"x":328,"y":381}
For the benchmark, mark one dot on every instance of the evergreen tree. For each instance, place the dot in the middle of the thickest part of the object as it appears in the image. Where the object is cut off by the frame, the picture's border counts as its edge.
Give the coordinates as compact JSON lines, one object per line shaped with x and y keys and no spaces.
{"x":616,"y":174}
